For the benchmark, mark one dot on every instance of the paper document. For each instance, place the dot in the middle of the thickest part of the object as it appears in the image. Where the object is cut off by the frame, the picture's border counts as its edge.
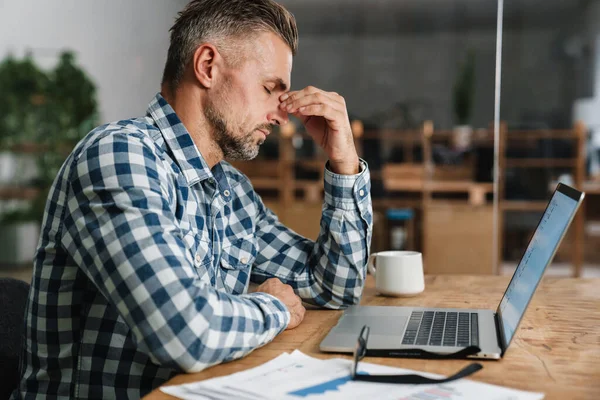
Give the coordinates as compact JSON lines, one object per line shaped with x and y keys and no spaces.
{"x":297,"y":376}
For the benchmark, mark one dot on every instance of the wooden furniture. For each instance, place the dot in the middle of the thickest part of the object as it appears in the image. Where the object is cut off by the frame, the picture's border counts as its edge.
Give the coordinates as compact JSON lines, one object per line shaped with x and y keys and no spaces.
{"x":458,"y":238}
{"x":18,"y":193}
{"x":576,"y":163}
{"x":457,"y":235}
{"x":426,"y":177}
{"x":424,"y":183}
{"x":302,"y":217}
{"x":555,"y":350}
{"x":591,"y":254}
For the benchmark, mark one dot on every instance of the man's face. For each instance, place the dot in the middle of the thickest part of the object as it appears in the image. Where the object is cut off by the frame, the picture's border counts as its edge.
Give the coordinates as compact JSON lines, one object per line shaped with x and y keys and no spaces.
{"x":245,"y":104}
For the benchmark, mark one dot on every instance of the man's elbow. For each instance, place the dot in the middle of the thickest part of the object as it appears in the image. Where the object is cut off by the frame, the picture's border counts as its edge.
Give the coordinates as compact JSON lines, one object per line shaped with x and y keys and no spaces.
{"x":190,"y":361}
{"x":354,"y":297}
{"x":349,"y":297}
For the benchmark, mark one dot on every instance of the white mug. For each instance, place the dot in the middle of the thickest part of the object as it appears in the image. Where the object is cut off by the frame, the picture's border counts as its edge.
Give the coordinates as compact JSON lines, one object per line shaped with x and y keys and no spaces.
{"x":397,"y":273}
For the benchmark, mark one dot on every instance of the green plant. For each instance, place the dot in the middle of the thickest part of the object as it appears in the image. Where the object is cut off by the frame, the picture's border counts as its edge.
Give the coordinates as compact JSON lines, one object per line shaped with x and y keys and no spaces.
{"x":464,"y":89}
{"x":73,"y":107}
{"x":50,"y":110}
{"x":23,"y":88}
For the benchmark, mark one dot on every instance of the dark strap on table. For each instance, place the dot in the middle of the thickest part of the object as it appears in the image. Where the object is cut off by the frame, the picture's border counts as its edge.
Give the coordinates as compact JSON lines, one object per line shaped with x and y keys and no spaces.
{"x":414,"y":379}
{"x":419,"y":353}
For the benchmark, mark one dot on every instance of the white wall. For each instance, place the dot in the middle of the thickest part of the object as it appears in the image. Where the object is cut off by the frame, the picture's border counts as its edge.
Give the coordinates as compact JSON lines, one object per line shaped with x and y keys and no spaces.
{"x":121,"y":44}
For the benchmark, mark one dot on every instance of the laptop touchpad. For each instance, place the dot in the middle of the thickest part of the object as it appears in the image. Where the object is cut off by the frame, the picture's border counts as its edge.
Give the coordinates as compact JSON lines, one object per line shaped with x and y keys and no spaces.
{"x":386,"y":332}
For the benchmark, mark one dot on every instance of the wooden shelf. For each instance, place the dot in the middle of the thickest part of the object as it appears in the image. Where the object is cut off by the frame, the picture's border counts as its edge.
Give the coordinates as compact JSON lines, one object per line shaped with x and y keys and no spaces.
{"x":411,"y":185}
{"x":265,"y":183}
{"x":523,"y":205}
{"x":415,"y":136}
{"x":541,"y":163}
{"x":64,"y":148}
{"x":315,"y":165}
{"x":400,"y":135}
{"x":576,"y":163}
{"x":536,"y":135}
{"x":308,"y":184}
{"x":18,"y":193}
{"x":28,"y":148}
{"x":270,"y":183}
{"x":384,"y":204}
{"x":414,"y":185}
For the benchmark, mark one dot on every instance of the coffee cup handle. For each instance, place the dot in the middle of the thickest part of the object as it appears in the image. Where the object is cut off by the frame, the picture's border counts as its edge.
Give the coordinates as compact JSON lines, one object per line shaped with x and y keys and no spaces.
{"x":371,"y":264}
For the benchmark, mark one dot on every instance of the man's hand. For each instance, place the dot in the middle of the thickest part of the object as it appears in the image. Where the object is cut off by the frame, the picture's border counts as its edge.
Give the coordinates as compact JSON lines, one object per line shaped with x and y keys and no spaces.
{"x":325,"y":118}
{"x":286,"y":294}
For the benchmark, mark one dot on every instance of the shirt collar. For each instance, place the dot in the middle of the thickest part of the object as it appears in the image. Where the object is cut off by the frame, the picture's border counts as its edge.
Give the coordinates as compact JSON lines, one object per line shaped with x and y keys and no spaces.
{"x":186,"y":154}
{"x":176,"y":136}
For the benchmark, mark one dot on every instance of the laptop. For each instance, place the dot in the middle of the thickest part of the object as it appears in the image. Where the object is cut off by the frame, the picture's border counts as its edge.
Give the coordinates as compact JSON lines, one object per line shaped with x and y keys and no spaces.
{"x":448,"y":330}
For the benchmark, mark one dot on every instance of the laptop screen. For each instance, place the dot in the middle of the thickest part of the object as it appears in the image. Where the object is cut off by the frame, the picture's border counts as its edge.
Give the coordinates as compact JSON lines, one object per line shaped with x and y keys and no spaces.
{"x":538,"y":255}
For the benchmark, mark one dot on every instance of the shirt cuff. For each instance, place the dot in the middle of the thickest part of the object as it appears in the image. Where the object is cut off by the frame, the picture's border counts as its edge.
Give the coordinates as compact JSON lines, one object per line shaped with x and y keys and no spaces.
{"x":346,"y":191}
{"x":277,"y":316}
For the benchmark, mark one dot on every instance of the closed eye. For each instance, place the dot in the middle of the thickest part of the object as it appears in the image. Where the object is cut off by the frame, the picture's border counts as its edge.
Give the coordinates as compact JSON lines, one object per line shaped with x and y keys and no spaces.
{"x":268,"y":91}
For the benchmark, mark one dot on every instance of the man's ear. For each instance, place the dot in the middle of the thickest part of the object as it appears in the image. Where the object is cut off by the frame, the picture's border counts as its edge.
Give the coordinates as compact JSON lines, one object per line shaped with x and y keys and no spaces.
{"x":206,"y":64}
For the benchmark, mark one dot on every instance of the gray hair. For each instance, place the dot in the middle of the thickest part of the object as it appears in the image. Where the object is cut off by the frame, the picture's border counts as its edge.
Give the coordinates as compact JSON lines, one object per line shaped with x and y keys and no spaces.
{"x":223,"y":23}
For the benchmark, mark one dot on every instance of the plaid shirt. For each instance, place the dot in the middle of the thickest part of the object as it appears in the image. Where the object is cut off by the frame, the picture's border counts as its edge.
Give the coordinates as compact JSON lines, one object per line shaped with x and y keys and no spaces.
{"x":146,"y":255}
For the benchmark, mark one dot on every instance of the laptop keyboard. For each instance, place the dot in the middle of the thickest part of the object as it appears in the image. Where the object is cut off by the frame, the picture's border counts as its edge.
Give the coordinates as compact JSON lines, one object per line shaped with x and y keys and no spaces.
{"x":438,"y":328}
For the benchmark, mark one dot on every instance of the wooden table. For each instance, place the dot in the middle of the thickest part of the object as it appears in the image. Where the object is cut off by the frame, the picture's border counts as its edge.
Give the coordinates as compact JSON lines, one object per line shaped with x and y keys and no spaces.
{"x":556,"y":349}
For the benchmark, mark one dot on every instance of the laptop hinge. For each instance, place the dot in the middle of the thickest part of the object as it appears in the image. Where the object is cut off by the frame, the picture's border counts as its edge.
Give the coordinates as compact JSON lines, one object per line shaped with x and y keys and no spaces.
{"x":498,"y":334}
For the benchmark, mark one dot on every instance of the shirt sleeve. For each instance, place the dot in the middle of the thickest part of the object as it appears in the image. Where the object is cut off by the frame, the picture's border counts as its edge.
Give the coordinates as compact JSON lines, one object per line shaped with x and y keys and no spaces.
{"x":121,"y":231}
{"x":331,"y":271}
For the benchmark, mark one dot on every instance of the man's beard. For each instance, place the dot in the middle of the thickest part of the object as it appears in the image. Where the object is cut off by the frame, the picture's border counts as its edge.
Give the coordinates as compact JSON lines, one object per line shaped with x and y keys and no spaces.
{"x":234,"y":148}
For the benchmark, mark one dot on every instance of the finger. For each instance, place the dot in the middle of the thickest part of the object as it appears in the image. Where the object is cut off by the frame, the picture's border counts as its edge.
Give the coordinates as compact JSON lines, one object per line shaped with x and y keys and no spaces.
{"x":334,"y":117}
{"x":312,"y":99}
{"x":293,"y":96}
{"x":304,"y":99}
{"x":297,"y":93}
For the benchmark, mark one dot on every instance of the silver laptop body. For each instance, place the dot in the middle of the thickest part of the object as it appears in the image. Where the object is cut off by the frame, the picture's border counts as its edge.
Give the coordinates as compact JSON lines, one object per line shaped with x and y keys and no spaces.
{"x":448,"y":330}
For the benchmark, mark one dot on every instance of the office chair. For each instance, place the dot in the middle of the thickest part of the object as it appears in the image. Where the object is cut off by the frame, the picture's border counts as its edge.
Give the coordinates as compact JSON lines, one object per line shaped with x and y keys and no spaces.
{"x":13,"y":298}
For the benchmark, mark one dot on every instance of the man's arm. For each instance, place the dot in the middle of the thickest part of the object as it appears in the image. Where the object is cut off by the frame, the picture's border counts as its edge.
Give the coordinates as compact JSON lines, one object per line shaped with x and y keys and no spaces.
{"x":121,"y":231}
{"x":331,"y":271}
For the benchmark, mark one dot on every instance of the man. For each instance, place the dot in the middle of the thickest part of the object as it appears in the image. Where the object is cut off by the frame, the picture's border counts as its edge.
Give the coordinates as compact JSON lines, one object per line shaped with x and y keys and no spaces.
{"x":150,"y":239}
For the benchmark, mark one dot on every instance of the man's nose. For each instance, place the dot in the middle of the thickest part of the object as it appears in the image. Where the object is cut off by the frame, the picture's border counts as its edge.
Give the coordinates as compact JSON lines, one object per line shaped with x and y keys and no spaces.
{"x":279,"y":117}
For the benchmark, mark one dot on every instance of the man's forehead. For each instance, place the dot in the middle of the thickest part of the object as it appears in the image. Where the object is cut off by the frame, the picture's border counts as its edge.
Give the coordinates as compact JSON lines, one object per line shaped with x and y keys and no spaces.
{"x":275,"y":58}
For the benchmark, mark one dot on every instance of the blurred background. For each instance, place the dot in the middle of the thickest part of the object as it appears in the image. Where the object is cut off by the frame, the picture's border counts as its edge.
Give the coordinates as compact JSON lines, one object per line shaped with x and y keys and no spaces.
{"x":418,"y":77}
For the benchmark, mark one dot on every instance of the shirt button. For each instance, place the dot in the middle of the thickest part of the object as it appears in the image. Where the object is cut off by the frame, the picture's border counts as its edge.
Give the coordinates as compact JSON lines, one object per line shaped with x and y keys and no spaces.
{"x":226,"y":193}
{"x":211,"y":181}
{"x":362,"y":192}
{"x":198,"y":258}
{"x":244,"y":260}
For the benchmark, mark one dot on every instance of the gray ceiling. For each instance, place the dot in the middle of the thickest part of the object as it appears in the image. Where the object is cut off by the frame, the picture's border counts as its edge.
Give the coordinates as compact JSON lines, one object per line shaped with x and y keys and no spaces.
{"x":414,"y":16}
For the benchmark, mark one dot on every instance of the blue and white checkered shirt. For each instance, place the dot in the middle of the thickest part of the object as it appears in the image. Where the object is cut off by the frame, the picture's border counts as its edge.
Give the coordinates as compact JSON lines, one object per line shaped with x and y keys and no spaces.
{"x":146,"y":255}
